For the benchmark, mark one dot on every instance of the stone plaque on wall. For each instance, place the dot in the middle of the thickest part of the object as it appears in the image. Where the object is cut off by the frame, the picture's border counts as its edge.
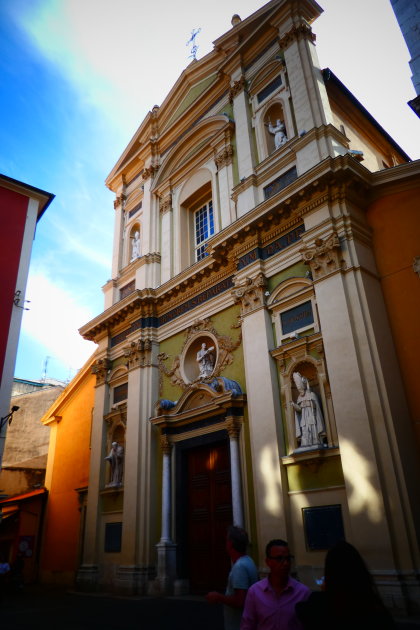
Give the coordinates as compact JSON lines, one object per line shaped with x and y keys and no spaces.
{"x":323,"y":526}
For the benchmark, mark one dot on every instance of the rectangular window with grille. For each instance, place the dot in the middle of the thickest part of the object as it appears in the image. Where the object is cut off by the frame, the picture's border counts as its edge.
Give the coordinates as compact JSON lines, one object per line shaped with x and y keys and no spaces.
{"x":204,"y":229}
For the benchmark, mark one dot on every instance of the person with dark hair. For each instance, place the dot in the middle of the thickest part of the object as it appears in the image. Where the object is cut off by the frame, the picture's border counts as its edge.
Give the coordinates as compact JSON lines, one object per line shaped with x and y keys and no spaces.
{"x":349,"y":598}
{"x":270,"y":603}
{"x":242,"y":575}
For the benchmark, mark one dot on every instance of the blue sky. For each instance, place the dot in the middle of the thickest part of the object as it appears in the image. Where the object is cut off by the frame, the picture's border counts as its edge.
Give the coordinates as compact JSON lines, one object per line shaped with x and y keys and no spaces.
{"x":77,"y":78}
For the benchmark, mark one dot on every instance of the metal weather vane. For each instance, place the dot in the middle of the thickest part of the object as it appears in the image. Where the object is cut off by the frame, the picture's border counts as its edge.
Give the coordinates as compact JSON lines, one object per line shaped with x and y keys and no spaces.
{"x":194,"y":47}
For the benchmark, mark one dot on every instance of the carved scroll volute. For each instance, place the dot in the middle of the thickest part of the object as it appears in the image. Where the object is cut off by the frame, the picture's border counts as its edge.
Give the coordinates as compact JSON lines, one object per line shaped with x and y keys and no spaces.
{"x":250,"y":293}
{"x":324,"y":256}
{"x":101,"y":368}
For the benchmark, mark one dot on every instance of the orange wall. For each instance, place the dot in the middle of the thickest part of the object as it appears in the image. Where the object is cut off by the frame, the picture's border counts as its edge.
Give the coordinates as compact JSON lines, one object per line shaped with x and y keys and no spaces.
{"x":395,"y":220}
{"x":60,"y":556}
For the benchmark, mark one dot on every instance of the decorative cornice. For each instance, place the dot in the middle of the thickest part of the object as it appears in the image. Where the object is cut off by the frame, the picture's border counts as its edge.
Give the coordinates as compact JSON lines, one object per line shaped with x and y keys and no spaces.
{"x":332,"y":179}
{"x":324,"y":256}
{"x":250,"y":293}
{"x":224,"y":157}
{"x":237,"y":88}
{"x":300,"y":31}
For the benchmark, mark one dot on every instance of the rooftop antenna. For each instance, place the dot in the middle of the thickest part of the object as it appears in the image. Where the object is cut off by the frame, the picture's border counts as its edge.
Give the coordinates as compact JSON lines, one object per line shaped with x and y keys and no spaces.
{"x":194,"y":47}
{"x":44,"y":372}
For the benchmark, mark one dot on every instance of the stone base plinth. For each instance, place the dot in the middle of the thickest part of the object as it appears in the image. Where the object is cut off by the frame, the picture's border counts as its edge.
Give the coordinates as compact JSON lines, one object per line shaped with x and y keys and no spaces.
{"x":133,"y":580}
{"x":87,"y":578}
{"x":165,"y":579}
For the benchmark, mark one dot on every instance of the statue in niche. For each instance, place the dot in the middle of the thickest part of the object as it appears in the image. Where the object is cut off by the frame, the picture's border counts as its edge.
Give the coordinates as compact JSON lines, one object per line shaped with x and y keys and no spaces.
{"x":135,"y":246}
{"x":116,"y":460}
{"x":278,"y":131}
{"x":309,"y":421}
{"x":205,"y":360}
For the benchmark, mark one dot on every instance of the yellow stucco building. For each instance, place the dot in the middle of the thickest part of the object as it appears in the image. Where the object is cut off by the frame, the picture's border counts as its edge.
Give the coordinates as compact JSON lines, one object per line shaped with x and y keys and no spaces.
{"x":246,"y":371}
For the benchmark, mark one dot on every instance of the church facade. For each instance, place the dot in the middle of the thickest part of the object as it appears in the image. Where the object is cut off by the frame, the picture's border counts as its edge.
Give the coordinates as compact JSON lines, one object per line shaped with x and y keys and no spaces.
{"x":246,"y":371}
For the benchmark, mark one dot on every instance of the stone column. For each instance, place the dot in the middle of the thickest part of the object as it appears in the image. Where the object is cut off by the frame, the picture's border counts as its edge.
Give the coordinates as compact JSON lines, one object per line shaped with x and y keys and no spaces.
{"x":139,"y":480}
{"x":309,"y":96}
{"x":369,"y":405}
{"x":167,"y":238}
{"x":262,"y":388}
{"x":166,"y":491}
{"x":166,"y":549}
{"x":233,"y":429}
{"x":88,"y":572}
{"x":223,"y":161}
{"x":247,"y":198}
{"x":118,"y":247}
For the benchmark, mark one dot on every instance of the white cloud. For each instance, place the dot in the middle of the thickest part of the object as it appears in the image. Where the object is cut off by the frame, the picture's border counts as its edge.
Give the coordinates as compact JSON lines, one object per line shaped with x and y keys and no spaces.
{"x":53,"y":321}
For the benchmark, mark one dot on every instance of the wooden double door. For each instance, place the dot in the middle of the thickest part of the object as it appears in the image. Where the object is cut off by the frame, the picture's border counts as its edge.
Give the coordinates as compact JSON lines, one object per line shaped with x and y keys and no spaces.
{"x":207,"y":515}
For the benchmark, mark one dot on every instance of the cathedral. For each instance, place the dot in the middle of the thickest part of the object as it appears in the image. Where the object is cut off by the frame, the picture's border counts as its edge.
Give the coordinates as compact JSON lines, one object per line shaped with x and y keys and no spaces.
{"x":253,"y":357}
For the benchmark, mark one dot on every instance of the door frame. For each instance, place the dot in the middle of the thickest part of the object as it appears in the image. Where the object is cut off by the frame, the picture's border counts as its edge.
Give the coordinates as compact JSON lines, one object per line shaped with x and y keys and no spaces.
{"x":181,"y":492}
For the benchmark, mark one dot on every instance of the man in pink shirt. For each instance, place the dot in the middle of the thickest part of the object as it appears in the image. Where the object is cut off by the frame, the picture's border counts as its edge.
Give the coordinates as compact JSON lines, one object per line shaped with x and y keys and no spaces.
{"x":270,"y":603}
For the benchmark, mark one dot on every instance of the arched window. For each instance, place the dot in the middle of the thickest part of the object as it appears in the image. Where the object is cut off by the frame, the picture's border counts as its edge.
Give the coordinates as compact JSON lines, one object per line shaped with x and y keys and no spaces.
{"x":197,"y":217}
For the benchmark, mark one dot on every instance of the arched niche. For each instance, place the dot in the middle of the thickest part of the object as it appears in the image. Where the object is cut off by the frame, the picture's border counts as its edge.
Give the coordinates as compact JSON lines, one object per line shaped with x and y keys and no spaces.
{"x":134,"y":242}
{"x":190,"y":367}
{"x":274,"y":116}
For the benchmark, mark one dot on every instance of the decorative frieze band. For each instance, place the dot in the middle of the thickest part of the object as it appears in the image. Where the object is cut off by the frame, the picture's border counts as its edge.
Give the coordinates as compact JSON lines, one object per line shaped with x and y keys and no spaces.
{"x":224,"y":157}
{"x":324,"y":256}
{"x":297,"y":32}
{"x":250,"y":294}
{"x":237,"y":88}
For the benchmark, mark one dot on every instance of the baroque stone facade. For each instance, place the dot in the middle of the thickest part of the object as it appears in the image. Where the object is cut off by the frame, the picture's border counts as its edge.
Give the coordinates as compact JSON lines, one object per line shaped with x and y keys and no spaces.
{"x":258,"y":262}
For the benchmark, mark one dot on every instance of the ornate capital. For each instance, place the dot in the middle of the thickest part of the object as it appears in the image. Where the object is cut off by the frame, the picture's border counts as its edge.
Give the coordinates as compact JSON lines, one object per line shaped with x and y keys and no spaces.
{"x":165,"y":204}
{"x":150,"y":171}
{"x":324,"y":256}
{"x":119,"y":200}
{"x":101,"y":368}
{"x":139,"y":353}
{"x":165,"y":445}
{"x":224,"y":157}
{"x":299,"y":31}
{"x":250,"y":294}
{"x":237,"y":88}
{"x":233,"y":427}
